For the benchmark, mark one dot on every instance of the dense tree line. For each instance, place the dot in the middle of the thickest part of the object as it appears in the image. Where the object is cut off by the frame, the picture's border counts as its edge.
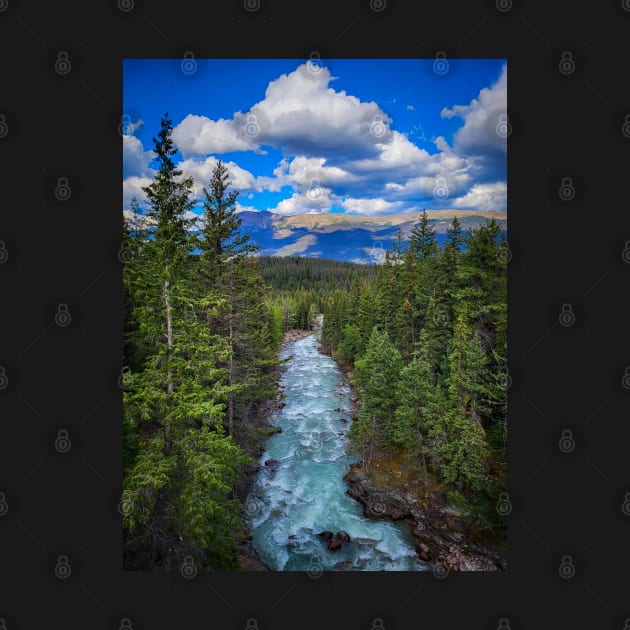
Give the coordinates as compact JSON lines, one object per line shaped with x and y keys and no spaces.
{"x":200,"y":354}
{"x":296,"y":273}
{"x":300,"y":285}
{"x":426,"y":340}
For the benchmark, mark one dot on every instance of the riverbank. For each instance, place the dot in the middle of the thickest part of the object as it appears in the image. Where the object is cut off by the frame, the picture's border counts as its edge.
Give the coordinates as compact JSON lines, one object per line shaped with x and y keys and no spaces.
{"x":441,"y":533}
{"x":390,"y":489}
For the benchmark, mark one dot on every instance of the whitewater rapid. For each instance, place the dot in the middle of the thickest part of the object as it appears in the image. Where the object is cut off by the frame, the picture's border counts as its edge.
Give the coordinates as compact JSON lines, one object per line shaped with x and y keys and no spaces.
{"x":304,"y":493}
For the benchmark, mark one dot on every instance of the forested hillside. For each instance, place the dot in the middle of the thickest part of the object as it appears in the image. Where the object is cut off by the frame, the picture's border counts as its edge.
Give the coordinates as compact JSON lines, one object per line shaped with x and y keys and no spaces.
{"x":293,"y":273}
{"x":427,"y":342}
{"x":200,"y":353}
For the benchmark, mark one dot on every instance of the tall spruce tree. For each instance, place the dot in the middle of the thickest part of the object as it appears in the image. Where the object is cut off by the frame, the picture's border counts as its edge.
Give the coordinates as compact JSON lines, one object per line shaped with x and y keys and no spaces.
{"x":377,"y":374}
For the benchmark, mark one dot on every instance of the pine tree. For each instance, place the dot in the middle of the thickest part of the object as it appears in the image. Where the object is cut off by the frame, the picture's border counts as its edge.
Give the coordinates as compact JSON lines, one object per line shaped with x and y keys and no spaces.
{"x":414,"y":415}
{"x":169,"y":197}
{"x":221,"y":224}
{"x":465,"y":452}
{"x":226,"y":267}
{"x":423,"y":240}
{"x":377,"y":374}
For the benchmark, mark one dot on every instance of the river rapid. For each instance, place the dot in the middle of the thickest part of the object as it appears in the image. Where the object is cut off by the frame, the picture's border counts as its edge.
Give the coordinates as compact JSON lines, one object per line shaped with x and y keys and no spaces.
{"x":303,"y":494}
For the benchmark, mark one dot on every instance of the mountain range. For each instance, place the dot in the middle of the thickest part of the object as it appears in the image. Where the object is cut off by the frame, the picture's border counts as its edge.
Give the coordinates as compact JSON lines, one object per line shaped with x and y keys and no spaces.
{"x":348,"y":237}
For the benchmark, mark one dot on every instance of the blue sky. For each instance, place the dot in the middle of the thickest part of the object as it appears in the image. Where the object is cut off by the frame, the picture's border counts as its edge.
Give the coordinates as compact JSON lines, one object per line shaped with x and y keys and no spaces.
{"x":356,"y":136}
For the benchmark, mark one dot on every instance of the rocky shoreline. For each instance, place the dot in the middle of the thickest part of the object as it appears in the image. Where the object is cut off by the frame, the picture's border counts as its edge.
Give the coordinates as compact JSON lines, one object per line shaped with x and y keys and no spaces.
{"x":442,"y":537}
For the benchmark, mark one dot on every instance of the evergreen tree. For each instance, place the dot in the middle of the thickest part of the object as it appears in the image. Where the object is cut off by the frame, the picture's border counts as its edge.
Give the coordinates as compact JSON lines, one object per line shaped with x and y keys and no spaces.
{"x":423,"y":240}
{"x":377,"y":374}
{"x":465,"y":452}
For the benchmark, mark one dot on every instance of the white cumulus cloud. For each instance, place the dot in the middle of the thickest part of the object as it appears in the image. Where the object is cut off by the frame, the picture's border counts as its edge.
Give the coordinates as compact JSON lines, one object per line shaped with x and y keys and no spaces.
{"x":481,"y":116}
{"x":484,"y":197}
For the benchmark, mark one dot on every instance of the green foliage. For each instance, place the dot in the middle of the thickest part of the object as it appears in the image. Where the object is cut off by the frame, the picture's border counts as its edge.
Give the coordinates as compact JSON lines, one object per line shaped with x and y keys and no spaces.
{"x":441,"y":320}
{"x":304,"y":273}
{"x":200,"y":347}
{"x":377,"y":373}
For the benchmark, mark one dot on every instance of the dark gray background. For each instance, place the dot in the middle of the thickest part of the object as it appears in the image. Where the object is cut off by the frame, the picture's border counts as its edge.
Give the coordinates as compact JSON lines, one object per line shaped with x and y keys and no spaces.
{"x":563,"y":378}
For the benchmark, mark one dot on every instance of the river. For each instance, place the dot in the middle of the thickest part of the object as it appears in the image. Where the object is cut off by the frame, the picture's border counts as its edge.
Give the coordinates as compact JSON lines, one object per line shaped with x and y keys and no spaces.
{"x":304,"y":493}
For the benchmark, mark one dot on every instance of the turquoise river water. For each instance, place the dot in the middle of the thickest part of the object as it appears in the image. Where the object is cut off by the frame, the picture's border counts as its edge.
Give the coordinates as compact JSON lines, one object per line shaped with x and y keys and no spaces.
{"x":304,"y":493}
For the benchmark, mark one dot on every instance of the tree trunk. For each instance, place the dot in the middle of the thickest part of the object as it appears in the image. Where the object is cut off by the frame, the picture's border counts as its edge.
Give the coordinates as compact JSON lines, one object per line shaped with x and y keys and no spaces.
{"x":231,"y":357}
{"x":169,"y":336}
{"x":230,"y":373}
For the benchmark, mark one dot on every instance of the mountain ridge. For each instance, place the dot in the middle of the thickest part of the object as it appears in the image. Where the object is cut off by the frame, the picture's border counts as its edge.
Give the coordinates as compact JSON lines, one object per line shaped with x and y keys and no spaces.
{"x":348,"y":237}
